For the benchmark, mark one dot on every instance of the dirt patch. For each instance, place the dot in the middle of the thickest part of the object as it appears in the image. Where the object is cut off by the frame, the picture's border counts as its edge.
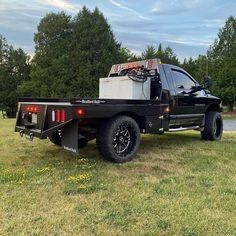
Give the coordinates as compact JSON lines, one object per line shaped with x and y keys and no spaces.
{"x":230,"y":113}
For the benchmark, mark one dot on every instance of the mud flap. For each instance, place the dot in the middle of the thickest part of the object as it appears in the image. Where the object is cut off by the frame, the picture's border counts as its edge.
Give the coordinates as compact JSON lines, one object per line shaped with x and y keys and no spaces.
{"x":69,"y":140}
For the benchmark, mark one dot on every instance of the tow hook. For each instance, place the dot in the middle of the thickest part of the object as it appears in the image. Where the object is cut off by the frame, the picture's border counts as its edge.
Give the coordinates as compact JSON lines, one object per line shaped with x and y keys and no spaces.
{"x":27,"y":136}
{"x":31,"y":136}
{"x":21,"y":133}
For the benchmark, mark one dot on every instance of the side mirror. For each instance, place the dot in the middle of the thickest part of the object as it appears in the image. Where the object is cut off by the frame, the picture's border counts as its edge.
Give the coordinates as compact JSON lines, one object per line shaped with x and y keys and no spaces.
{"x":207,"y":82}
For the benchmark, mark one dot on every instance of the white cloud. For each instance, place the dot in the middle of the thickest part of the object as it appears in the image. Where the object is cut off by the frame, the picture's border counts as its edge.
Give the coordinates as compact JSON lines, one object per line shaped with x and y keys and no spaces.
{"x":214,"y":23}
{"x":174,"y":6}
{"x":6,"y":6}
{"x":62,"y":4}
{"x":122,"y":6}
{"x":190,"y":42}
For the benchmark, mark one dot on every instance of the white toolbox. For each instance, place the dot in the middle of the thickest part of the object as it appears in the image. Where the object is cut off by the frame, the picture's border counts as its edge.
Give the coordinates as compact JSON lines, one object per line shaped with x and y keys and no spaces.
{"x":122,"y":87}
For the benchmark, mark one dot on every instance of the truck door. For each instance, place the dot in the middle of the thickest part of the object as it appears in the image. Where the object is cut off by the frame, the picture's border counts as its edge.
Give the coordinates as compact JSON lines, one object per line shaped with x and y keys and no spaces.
{"x":189,"y":109}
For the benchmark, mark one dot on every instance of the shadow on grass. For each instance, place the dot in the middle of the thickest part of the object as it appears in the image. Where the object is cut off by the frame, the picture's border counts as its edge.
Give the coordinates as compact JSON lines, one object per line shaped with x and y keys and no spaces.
{"x":164,"y":141}
{"x":149,"y":143}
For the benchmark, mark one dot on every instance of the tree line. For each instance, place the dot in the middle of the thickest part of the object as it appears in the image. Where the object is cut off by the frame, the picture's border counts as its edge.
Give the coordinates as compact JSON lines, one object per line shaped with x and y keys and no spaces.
{"x":71,"y":54}
{"x":14,"y":70}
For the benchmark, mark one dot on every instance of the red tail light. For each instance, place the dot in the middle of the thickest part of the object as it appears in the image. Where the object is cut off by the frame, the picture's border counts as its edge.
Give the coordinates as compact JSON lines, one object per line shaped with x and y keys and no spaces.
{"x":33,"y":109}
{"x":63,"y":115}
{"x":58,"y":116}
{"x":80,"y":112}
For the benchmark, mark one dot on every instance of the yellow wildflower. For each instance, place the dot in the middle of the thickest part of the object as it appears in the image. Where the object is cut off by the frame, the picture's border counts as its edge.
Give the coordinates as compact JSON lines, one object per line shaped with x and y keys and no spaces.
{"x":82,"y":186}
{"x":43,"y":170}
{"x":84,"y":176}
{"x":73,"y":178}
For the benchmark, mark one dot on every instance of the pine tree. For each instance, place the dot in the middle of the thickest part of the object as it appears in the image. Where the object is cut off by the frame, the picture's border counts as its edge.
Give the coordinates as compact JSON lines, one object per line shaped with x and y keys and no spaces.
{"x":166,"y":55}
{"x":95,"y":49}
{"x":149,"y":52}
{"x":51,"y":72}
{"x":14,"y":70}
{"x":71,"y":55}
{"x":223,"y":63}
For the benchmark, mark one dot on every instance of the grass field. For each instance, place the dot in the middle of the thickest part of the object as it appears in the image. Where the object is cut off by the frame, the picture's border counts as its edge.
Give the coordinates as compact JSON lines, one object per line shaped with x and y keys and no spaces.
{"x":177,"y":185}
{"x":229,"y":117}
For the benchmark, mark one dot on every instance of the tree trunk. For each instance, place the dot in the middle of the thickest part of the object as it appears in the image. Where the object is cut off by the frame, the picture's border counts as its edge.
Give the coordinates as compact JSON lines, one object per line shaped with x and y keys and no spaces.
{"x":230,"y":106}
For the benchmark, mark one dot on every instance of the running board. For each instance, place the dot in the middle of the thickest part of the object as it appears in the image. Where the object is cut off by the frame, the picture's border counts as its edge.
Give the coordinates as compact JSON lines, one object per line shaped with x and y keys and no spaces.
{"x":185,"y":128}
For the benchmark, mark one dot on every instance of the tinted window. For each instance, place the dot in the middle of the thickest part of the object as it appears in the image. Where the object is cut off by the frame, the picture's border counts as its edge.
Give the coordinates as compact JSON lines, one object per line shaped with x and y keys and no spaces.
{"x":181,"y":79}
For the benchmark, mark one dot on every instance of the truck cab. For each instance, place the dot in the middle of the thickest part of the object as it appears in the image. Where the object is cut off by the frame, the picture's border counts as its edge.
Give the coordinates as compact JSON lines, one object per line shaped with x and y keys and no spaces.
{"x":189,"y":100}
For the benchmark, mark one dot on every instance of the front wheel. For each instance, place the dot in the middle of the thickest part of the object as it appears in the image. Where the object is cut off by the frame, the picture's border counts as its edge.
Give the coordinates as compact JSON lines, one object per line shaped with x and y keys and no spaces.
{"x":118,"y":139}
{"x":213,"y":128}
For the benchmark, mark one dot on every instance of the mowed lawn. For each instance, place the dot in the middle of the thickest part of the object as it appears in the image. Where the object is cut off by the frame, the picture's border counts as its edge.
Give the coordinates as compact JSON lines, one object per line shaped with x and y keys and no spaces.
{"x":176,"y":185}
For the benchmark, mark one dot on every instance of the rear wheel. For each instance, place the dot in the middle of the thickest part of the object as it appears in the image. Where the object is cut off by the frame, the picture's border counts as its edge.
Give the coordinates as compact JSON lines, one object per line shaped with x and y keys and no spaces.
{"x":213,"y":126}
{"x":55,"y":138}
{"x":118,"y":139}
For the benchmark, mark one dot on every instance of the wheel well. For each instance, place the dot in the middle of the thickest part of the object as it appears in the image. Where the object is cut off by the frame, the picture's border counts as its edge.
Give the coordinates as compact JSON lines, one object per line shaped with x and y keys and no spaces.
{"x":214,"y":107}
{"x":139,"y":119}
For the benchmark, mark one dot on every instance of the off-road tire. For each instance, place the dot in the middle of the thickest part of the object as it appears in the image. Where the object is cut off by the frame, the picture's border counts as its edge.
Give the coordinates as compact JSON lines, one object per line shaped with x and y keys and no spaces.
{"x":213,"y":128}
{"x":55,"y":138}
{"x":118,"y":139}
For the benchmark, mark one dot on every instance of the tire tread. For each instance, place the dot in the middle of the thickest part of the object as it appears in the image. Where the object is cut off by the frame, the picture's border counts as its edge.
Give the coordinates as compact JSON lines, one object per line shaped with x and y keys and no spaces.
{"x":103,"y":139}
{"x":208,"y":133}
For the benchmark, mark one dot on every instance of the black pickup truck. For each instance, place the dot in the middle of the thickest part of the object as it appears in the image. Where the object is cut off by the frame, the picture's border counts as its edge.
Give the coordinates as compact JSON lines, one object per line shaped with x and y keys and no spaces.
{"x":176,"y":103}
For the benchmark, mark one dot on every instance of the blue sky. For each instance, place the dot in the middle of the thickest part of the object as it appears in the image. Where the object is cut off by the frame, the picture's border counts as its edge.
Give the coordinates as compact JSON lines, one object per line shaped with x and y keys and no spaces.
{"x":188,"y":26}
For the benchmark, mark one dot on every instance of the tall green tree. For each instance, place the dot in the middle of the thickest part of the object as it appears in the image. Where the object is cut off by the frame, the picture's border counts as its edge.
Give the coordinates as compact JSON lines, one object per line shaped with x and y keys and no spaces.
{"x":71,"y":55}
{"x":223,"y":62}
{"x":51,"y":73}
{"x":149,"y":52}
{"x":94,"y":50}
{"x":3,"y":65}
{"x":126,"y":55}
{"x":166,"y":55}
{"x":198,"y":67}
{"x":159,"y":48}
{"x":14,"y":70}
{"x":190,"y":65}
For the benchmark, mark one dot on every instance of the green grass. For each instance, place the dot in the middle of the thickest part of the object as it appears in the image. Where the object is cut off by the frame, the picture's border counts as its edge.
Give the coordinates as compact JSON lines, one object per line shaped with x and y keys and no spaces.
{"x":177,"y":185}
{"x":229,"y":117}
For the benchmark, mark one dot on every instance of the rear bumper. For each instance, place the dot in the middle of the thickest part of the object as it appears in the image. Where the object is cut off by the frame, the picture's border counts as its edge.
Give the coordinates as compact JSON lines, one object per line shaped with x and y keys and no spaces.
{"x":69,"y":134}
{"x":41,"y":134}
{"x":36,"y":132}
